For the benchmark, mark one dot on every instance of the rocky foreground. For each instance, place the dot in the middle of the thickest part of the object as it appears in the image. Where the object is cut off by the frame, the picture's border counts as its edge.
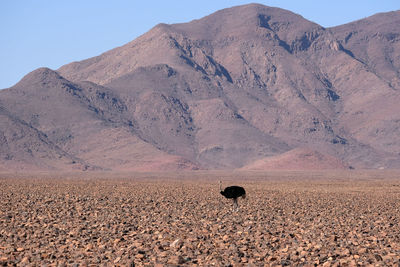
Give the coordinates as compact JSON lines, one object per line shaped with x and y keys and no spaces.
{"x":285,"y":220}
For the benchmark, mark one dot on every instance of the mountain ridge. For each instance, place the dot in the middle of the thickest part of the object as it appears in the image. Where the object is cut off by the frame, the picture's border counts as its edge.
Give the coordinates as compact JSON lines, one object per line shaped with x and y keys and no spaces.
{"x":225,"y":91}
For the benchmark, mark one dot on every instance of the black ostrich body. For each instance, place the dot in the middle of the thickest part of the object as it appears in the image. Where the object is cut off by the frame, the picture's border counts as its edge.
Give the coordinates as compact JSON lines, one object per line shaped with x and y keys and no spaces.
{"x":234,"y":192}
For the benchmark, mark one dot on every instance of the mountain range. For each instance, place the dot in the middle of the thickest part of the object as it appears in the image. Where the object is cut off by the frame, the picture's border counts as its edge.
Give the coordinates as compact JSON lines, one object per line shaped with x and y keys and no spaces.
{"x":249,"y":87}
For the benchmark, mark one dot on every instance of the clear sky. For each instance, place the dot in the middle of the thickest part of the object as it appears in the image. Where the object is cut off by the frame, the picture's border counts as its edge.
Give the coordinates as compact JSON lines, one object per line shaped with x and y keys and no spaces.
{"x":51,"y":33}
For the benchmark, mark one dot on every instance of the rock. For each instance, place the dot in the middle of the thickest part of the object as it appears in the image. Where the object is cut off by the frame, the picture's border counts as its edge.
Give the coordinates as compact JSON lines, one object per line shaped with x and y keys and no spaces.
{"x":362,"y":251}
{"x":139,"y":256}
{"x":176,"y":260}
{"x":176,"y":243}
{"x":271,"y":258}
{"x":378,"y":257}
{"x":25,"y":260}
{"x":346,"y":252}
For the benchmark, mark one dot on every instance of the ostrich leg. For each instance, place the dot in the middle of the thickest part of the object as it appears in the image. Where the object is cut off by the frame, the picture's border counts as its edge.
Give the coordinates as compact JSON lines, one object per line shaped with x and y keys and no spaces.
{"x":235,"y":205}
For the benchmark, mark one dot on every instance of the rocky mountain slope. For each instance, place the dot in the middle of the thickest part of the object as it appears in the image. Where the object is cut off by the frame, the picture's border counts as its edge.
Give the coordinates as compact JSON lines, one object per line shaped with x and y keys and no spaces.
{"x":243,"y":85}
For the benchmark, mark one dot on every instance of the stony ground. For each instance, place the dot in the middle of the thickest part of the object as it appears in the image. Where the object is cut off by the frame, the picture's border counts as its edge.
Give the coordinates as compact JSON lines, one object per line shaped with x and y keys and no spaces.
{"x":165,"y":222}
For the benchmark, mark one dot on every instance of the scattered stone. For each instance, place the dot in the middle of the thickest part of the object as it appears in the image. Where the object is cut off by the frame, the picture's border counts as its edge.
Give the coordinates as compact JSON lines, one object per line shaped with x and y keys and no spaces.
{"x":378,"y":257}
{"x":176,"y":243}
{"x":139,"y":256}
{"x":25,"y":260}
{"x":176,"y":260}
{"x":324,"y":223}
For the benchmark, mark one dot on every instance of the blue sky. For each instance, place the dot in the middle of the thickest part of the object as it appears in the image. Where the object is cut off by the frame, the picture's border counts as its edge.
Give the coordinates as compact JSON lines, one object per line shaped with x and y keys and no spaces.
{"x":51,"y":33}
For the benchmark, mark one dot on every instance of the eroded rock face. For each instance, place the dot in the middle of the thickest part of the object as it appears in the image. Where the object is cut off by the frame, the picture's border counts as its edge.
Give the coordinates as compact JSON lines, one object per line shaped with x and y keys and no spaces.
{"x":283,"y":221}
{"x":241,"y":85}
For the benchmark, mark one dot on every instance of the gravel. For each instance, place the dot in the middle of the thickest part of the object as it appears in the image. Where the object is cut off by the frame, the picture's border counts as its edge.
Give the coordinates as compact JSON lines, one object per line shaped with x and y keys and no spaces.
{"x":130,"y":222}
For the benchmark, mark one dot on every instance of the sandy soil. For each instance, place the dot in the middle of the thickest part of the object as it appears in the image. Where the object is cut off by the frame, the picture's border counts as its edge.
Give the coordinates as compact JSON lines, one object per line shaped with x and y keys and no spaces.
{"x":170,"y":219}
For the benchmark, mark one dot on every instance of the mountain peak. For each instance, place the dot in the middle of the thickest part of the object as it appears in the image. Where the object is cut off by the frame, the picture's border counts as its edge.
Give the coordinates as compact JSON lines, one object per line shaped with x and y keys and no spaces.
{"x":238,"y":20}
{"x":40,"y":75}
{"x":172,"y":43}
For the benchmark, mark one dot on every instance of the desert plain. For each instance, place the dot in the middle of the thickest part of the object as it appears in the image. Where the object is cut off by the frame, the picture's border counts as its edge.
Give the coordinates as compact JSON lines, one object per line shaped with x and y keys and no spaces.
{"x":334,"y":218}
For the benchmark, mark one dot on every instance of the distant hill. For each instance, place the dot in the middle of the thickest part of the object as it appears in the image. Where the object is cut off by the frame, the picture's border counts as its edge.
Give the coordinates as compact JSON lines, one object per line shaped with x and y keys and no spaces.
{"x":246,"y":87}
{"x":297,"y":159}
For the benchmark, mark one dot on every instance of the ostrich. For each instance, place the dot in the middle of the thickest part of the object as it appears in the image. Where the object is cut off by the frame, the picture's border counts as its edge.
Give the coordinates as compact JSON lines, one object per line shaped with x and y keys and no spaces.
{"x":233,"y":192}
